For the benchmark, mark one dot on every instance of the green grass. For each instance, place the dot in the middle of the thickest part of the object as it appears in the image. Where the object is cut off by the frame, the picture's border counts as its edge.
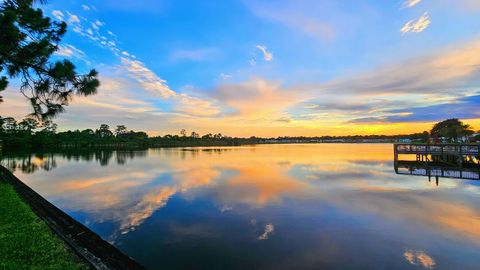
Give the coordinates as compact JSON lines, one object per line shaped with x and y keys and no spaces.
{"x":26,"y":242}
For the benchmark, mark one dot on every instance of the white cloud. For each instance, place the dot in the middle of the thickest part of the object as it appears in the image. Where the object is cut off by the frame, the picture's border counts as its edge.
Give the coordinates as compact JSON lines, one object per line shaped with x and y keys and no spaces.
{"x":73,"y":18}
{"x":94,"y":26}
{"x":268,"y":230}
{"x":225,"y":76}
{"x":267,"y":56}
{"x":417,"y":26}
{"x":185,"y":104}
{"x":85,"y":7}
{"x":411,"y":3}
{"x":68,"y":50}
{"x":58,"y":15}
{"x":147,"y":78}
{"x":447,"y":69}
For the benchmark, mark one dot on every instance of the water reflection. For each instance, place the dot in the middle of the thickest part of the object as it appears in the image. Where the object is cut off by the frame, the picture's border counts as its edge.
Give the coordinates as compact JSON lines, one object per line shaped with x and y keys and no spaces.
{"x":438,"y":169}
{"x":419,"y":258}
{"x":29,"y":163}
{"x":271,"y":207}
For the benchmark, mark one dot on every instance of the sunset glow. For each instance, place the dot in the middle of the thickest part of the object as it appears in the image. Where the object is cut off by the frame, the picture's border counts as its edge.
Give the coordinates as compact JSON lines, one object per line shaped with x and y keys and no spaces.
{"x":283,"y":68}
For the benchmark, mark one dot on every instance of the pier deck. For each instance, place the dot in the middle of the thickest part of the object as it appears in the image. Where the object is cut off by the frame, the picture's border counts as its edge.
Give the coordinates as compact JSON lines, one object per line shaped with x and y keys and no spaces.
{"x":438,"y":149}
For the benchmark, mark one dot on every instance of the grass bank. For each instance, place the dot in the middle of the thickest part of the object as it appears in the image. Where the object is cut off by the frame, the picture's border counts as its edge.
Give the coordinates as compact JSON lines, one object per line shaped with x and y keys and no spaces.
{"x":26,"y":242}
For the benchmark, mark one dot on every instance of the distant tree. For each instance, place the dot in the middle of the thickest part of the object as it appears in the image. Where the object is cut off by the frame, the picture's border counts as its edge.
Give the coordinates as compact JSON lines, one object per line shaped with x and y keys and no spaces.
{"x":194,"y":135}
{"x":183,"y":132}
{"x":218,"y":136}
{"x":1,"y":124}
{"x":104,"y":131}
{"x":49,"y":127}
{"x":451,"y":128}
{"x":27,"y":41}
{"x":88,"y":131}
{"x":9,"y":124}
{"x":28,"y":124}
{"x":207,"y":136}
{"x":121,"y":129}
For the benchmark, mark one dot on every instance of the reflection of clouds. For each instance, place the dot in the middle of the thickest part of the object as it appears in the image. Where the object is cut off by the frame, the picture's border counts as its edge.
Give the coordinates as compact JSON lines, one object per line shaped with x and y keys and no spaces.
{"x":410,"y":256}
{"x":346,"y":176}
{"x":158,"y":198}
{"x":195,"y":177}
{"x":226,"y":208}
{"x":419,"y":258}
{"x":268,"y":230}
{"x":419,"y":207}
{"x":259,"y":184}
{"x":459,"y":218}
{"x":145,"y":208}
{"x":79,"y":184}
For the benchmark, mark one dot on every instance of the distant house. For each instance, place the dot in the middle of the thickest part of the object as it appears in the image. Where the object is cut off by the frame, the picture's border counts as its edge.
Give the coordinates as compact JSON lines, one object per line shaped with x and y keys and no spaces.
{"x":405,"y":140}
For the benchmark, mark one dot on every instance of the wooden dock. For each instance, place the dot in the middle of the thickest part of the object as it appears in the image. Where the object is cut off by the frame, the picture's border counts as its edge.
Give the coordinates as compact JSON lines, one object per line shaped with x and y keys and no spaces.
{"x":438,"y":149}
{"x":459,"y":161}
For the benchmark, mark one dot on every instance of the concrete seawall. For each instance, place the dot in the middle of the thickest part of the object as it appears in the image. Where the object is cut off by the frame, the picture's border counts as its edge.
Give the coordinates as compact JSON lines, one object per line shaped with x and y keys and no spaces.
{"x":87,"y":244}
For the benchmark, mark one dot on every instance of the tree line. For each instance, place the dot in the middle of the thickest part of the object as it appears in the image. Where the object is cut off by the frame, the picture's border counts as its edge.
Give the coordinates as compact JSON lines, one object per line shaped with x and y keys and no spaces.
{"x":32,"y":134}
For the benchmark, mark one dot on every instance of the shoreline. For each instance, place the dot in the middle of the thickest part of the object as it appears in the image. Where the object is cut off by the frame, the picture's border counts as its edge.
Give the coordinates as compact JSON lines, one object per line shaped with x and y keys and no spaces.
{"x":85,"y":243}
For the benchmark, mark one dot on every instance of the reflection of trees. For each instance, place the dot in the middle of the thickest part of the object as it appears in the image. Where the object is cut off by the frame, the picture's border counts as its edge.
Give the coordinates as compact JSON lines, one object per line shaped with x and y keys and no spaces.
{"x":31,"y":162}
{"x":124,"y":156}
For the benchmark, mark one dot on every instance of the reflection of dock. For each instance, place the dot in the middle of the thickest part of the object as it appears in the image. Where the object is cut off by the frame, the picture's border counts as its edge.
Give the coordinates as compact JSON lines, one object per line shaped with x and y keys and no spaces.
{"x":458,"y":161}
{"x":433,"y":169}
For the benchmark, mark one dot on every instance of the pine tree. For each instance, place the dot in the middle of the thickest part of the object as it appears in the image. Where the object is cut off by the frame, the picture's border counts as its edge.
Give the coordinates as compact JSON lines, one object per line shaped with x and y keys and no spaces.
{"x":28,"y":40}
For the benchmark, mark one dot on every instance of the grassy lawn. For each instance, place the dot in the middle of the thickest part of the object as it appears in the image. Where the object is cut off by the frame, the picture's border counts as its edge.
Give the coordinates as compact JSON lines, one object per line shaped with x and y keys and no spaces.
{"x":26,"y":242}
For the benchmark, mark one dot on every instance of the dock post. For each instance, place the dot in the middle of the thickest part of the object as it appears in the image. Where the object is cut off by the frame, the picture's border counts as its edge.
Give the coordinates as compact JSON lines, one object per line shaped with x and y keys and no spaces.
{"x":395,"y":152}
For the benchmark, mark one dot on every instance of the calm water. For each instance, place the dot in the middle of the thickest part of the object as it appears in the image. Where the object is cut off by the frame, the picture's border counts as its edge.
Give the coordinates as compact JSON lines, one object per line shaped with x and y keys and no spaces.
{"x":323,"y":206}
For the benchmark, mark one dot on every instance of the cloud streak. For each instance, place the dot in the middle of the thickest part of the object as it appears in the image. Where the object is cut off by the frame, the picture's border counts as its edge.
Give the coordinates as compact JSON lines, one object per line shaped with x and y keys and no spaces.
{"x":399,"y":92}
{"x":68,"y":50}
{"x":267,"y":56}
{"x":417,"y":26}
{"x":57,"y":14}
{"x":411,"y":3}
{"x":455,"y":67}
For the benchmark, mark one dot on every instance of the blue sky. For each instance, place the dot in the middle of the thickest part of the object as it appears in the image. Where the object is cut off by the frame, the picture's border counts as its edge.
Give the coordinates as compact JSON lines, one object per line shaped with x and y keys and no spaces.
{"x":271,"y":68}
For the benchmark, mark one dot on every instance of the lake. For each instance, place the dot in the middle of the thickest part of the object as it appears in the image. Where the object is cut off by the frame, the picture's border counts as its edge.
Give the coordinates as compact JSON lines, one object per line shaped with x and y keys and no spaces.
{"x":310,"y":206}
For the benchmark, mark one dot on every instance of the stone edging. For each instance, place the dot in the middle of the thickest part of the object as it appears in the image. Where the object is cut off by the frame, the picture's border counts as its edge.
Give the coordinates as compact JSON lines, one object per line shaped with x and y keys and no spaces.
{"x":87,"y":244}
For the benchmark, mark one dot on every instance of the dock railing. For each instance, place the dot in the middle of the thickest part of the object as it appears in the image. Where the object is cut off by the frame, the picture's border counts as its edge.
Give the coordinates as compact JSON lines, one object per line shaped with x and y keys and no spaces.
{"x":438,"y":149}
